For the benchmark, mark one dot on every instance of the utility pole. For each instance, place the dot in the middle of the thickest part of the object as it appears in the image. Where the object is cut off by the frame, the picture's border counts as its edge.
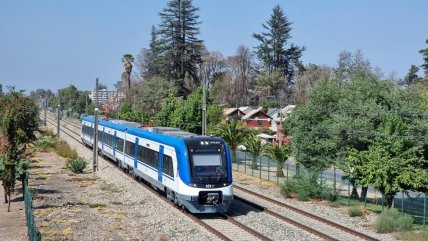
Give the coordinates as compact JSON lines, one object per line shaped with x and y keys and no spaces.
{"x":204,"y":110}
{"x":46,"y":106}
{"x":96,"y":93}
{"x":86,"y":104}
{"x":118,"y":103}
{"x":95,"y":147}
{"x":58,"y":113}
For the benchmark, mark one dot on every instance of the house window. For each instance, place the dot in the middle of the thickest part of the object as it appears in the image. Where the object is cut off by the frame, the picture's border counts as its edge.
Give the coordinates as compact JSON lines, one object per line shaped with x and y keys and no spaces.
{"x":260,"y":122}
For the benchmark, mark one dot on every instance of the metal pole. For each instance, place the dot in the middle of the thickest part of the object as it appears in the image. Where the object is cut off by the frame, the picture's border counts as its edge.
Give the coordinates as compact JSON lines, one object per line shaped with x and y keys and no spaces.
{"x":245,"y":162}
{"x":86,"y":104}
{"x":268,"y":169}
{"x":204,"y":110}
{"x":57,"y":121}
{"x":334,"y":181}
{"x":260,"y":160}
{"x":287,"y":174}
{"x":46,"y":106}
{"x":96,"y":93}
{"x":349,"y":195}
{"x":117,"y":104}
{"x":95,"y":147}
{"x":425,"y":210}
{"x":402,"y":201}
{"x":382,"y":202}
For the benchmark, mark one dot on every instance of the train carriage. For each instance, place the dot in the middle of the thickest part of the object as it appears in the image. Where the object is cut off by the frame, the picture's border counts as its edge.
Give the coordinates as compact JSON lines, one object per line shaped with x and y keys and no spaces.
{"x":194,"y":171}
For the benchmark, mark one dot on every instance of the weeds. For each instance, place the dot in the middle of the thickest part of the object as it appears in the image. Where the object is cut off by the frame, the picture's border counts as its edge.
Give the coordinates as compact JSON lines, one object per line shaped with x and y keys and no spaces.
{"x":97,"y":205}
{"x":355,"y":212}
{"x":64,"y":150}
{"x":390,"y":220}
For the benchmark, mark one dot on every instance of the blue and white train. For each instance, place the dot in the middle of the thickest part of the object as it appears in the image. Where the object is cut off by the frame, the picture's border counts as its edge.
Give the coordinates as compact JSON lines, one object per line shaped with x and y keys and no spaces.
{"x":194,"y":171}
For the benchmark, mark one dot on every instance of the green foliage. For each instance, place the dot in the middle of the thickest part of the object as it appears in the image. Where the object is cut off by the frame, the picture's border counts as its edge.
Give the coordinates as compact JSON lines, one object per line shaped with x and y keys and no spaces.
{"x":214,"y":115}
{"x":152,"y":93}
{"x":77,"y":165}
{"x":424,"y":53}
{"x":390,"y":220}
{"x":280,"y":154}
{"x":45,"y":144}
{"x":275,"y":51}
{"x":254,"y":147}
{"x":412,"y":76}
{"x":140,"y":117}
{"x":355,"y":212}
{"x":125,"y":107}
{"x":306,"y":185}
{"x":178,"y":45}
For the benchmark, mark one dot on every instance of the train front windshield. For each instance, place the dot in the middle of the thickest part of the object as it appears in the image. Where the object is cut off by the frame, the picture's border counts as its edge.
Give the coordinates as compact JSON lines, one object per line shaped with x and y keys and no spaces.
{"x":208,"y":163}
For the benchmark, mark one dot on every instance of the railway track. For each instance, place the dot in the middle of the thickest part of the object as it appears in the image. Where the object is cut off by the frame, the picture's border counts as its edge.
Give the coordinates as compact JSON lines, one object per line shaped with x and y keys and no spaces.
{"x":223,"y":226}
{"x":228,"y":232}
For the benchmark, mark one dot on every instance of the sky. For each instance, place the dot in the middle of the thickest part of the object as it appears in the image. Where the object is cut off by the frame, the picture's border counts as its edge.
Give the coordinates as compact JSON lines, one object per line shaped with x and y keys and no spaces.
{"x":51,"y":44}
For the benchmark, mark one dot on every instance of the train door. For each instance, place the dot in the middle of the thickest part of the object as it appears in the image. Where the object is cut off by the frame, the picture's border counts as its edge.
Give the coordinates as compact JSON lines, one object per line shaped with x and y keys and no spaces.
{"x":136,"y":153}
{"x":160,"y":163}
{"x":114,"y":143}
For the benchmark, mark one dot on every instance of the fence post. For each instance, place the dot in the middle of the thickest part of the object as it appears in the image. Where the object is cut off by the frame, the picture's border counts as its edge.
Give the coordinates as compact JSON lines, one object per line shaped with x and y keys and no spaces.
{"x":334,"y":181}
{"x":425,"y":210}
{"x":268,"y":169}
{"x":237,"y":160}
{"x":287,"y":172}
{"x":245,"y":163}
{"x":402,"y":202}
{"x":382,"y":202}
{"x":349,"y":195}
{"x":260,"y":161}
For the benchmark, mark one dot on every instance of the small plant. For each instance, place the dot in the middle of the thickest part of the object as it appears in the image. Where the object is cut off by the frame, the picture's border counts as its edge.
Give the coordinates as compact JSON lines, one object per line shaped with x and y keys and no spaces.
{"x":45,"y":144}
{"x":116,"y":203}
{"x":405,"y":222}
{"x":355,"y":212}
{"x":97,"y":205}
{"x":77,"y":165}
{"x":390,"y":220}
{"x":308,"y":186}
{"x":302,"y":196}
{"x":47,"y":133}
{"x":64,"y":150}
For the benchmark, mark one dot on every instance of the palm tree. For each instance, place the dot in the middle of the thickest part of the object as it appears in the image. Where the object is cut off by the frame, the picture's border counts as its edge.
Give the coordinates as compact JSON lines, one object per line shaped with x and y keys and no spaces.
{"x":127,"y":60}
{"x":254,"y":147}
{"x":233,"y":134}
{"x":280,"y":153}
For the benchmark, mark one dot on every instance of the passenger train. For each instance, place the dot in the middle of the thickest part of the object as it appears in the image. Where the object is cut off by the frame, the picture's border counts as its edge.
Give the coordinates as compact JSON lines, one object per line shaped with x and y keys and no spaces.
{"x":194,"y":171}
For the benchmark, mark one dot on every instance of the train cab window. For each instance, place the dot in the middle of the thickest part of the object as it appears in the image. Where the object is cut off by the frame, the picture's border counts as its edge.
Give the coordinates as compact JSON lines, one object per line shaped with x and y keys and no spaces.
{"x":168,"y":168}
{"x":208,"y":163}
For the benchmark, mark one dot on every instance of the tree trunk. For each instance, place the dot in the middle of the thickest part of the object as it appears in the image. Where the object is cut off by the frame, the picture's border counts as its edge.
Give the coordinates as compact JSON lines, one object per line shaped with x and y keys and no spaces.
{"x":363,"y":193}
{"x":389,"y":198}
{"x":254,"y":163}
{"x":354,"y":193}
{"x":279,"y":171}
{"x":8,"y":205}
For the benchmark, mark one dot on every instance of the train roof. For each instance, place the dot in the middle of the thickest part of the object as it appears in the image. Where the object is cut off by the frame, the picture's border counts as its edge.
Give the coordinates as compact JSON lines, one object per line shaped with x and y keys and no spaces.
{"x":137,"y":128}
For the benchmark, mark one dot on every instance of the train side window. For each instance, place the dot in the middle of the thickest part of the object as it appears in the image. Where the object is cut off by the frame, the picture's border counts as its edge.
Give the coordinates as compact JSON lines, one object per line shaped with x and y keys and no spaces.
{"x":119,"y":144}
{"x":141,"y":154}
{"x":129,"y":149}
{"x":168,"y":166}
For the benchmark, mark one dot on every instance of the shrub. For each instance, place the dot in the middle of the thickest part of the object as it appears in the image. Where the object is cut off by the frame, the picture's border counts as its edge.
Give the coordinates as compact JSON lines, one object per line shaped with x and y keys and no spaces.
{"x":390,"y":220}
{"x":302,"y":196}
{"x":47,"y":133}
{"x":64,"y":150}
{"x":405,"y":222}
{"x":45,"y":144}
{"x":77,"y":165}
{"x":355,"y":212}
{"x":307,"y":185}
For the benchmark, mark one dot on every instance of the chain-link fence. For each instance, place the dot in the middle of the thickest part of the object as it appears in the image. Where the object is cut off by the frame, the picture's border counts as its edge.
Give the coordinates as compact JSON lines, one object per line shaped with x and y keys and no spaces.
{"x":412,"y":203}
{"x":33,"y":232}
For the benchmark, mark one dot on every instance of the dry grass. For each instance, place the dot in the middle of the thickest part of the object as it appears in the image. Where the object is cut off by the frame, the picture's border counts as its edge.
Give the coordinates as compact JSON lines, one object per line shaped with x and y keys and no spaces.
{"x":111,"y":212}
{"x":46,"y":234}
{"x":97,"y":205}
{"x":64,"y":150}
{"x":116,"y":203}
{"x":86,"y":183}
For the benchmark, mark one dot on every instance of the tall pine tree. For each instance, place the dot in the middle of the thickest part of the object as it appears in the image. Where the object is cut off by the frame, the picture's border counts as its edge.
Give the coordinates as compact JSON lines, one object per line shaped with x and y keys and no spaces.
{"x":275,"y":52}
{"x":178,"y":45}
{"x":424,"y":53}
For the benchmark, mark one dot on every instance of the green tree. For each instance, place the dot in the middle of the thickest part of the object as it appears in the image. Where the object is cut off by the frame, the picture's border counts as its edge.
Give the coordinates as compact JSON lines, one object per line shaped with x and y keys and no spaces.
{"x":179,"y":48}
{"x":391,"y":164}
{"x":233,"y":134}
{"x":352,"y":64}
{"x":412,"y":75}
{"x":152,"y":93}
{"x":169,"y":106}
{"x":127,"y":60}
{"x":424,"y":53}
{"x":19,"y":121}
{"x":272,"y":50}
{"x":254,"y":146}
{"x":280,"y":153}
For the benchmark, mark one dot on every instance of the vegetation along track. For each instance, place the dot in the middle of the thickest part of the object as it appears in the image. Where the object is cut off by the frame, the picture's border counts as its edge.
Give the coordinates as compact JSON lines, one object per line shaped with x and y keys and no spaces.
{"x":299,"y":211}
{"x":218,"y":224}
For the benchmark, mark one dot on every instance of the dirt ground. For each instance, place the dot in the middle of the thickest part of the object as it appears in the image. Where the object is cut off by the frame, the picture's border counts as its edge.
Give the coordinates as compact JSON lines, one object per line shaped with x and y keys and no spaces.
{"x":12,"y":224}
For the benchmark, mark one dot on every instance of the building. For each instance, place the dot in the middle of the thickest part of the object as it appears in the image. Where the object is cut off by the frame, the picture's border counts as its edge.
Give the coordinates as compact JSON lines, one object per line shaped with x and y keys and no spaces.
{"x":106,"y":96}
{"x":256,"y":119}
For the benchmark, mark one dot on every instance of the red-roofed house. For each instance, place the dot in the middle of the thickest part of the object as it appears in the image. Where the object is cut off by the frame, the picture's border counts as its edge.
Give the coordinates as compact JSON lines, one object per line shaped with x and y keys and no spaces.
{"x":232,"y":114}
{"x":256,"y":119}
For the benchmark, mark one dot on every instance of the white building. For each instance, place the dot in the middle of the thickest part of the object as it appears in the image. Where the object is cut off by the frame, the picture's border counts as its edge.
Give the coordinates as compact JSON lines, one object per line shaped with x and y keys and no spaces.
{"x":106,"y":96}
